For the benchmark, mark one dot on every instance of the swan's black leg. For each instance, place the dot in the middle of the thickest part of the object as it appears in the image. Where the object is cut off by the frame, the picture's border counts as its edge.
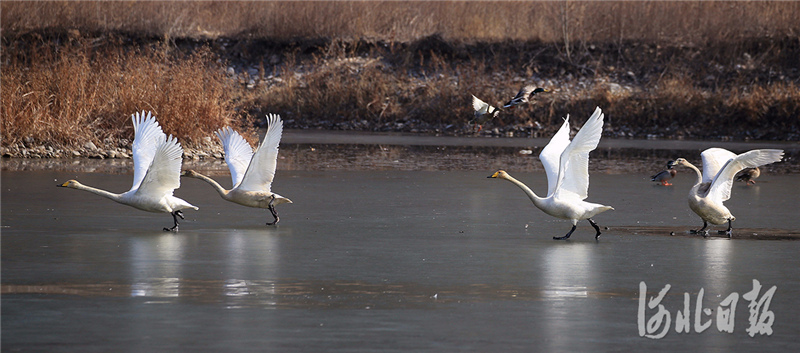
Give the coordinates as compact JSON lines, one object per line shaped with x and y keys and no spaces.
{"x":702,"y":231}
{"x":596,"y":228}
{"x":274,"y":214}
{"x":568,"y":234}
{"x":175,"y":215}
{"x":727,"y":231}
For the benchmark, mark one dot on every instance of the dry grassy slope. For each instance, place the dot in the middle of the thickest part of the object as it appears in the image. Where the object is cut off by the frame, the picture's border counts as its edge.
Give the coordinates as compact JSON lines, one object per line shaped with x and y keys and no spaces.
{"x":741,"y":90}
{"x":746,"y":89}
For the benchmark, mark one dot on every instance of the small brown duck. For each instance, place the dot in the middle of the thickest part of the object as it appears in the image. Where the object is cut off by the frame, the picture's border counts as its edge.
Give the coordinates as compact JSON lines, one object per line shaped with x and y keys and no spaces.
{"x":665,"y":175}
{"x":748,"y":175}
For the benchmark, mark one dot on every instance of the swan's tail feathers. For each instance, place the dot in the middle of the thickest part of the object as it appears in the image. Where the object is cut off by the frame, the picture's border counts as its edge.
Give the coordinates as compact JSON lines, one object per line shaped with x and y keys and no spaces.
{"x":603,"y":208}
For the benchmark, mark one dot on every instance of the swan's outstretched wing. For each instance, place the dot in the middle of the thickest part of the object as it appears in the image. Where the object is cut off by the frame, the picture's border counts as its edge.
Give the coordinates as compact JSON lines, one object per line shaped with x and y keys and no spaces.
{"x":164,"y":174}
{"x":573,"y":175}
{"x":713,"y":160}
{"x":720,"y":189}
{"x":261,"y":171}
{"x":237,"y":153}
{"x":551,"y":154}
{"x":147,"y":136}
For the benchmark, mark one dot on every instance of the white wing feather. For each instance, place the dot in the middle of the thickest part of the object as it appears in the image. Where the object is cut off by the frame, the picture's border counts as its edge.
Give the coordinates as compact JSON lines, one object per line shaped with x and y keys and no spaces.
{"x":551,"y":154}
{"x":164,"y":174}
{"x":237,"y":153}
{"x":479,"y":105}
{"x":261,"y":171}
{"x":573,"y":176}
{"x":720,"y":189}
{"x":147,"y":136}
{"x":713,"y":160}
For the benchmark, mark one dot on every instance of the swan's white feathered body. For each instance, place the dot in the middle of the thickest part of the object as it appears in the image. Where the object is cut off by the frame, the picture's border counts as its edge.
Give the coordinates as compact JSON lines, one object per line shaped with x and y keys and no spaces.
{"x":251,"y":172}
{"x":156,"y":171}
{"x":566,"y":164}
{"x":713,"y":186}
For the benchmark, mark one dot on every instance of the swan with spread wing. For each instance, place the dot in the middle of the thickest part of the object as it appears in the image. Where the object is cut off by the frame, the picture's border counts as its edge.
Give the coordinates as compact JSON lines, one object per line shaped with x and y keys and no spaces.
{"x":251,"y":173}
{"x":713,"y":185}
{"x":567,"y":166}
{"x":156,"y":172}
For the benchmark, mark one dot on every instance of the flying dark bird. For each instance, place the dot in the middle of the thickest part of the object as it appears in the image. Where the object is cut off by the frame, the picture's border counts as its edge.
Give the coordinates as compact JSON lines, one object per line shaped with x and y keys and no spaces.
{"x":524,"y":96}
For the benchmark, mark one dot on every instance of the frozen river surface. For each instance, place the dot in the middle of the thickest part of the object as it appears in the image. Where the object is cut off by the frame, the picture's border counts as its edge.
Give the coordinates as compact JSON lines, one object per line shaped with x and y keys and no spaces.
{"x":394,"y":261}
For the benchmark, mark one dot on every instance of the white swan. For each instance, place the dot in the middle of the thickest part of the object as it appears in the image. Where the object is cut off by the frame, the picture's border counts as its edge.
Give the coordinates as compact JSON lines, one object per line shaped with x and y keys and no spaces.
{"x":713,"y":186}
{"x":156,"y":172}
{"x":252,"y":173}
{"x":483,"y":112}
{"x":567,"y":166}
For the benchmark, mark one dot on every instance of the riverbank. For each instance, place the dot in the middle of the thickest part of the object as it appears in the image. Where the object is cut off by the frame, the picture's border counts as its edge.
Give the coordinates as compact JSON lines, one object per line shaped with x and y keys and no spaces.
{"x":67,"y":89}
{"x":321,"y":150}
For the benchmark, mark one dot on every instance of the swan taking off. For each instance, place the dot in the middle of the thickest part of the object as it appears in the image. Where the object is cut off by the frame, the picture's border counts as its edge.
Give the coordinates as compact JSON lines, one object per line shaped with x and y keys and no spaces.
{"x":713,"y":186}
{"x":567,"y":166}
{"x":156,"y":172}
{"x":252,"y":173}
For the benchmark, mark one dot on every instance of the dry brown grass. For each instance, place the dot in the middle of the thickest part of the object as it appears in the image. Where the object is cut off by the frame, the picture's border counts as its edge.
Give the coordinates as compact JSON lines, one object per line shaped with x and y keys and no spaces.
{"x":81,"y":95}
{"x":69,"y":76}
{"x":568,"y":22}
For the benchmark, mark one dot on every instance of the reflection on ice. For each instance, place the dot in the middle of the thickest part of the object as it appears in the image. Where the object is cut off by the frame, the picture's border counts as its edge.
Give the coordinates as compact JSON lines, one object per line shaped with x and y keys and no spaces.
{"x":566,"y":292}
{"x":157,"y":288}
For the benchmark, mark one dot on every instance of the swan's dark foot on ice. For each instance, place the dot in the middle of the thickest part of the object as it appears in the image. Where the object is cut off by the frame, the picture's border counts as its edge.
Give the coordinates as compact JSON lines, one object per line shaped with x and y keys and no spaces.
{"x":596,"y":228}
{"x":175,"y":216}
{"x":701,"y":231}
{"x":727,"y":231}
{"x":566,"y":236}
{"x":274,"y":214}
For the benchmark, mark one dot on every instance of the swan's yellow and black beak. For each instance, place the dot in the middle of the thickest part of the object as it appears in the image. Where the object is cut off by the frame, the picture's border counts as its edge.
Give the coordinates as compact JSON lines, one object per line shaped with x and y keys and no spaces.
{"x":63,"y":185}
{"x":497,"y":173}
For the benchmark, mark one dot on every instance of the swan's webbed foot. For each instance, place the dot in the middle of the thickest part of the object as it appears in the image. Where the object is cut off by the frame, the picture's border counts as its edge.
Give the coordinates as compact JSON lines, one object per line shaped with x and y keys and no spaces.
{"x":596,"y":228}
{"x":274,"y":214}
{"x":701,"y":231}
{"x":568,"y":234}
{"x":727,"y":231}
{"x":175,"y":216}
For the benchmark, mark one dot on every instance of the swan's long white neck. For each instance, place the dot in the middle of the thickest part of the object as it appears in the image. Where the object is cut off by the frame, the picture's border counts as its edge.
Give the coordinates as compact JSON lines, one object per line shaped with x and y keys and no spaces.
{"x":697,"y":171}
{"x":537,"y":201}
{"x":96,"y":191}
{"x":222,"y":192}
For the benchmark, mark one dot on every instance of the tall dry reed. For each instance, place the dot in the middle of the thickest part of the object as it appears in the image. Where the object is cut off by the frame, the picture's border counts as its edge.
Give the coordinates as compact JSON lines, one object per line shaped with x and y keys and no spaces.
{"x":571,"y":23}
{"x":82,"y":95}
